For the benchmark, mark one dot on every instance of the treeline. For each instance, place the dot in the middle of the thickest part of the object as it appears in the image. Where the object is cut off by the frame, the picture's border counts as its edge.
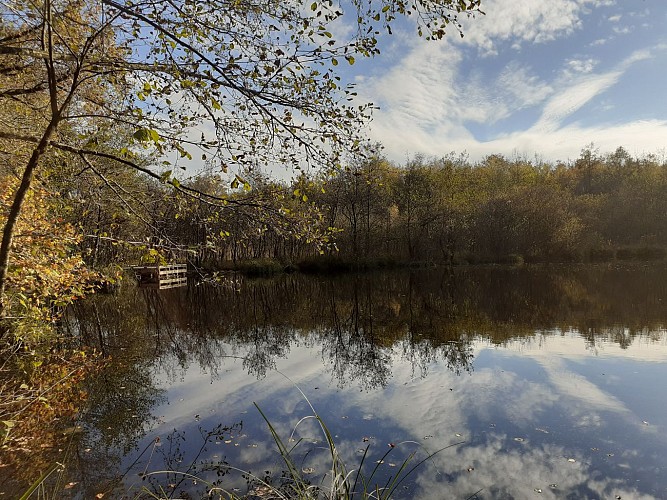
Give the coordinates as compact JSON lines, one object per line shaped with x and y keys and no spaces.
{"x":451,"y":210}
{"x":432,"y":210}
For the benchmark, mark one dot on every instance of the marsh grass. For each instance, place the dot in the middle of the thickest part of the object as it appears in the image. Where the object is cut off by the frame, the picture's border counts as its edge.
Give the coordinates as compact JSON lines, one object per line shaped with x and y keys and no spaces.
{"x":363,"y":480}
{"x":342,"y":482}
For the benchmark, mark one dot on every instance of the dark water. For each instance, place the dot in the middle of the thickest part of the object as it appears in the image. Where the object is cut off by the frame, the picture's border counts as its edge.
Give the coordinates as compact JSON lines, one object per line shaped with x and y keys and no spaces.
{"x":534,"y":383}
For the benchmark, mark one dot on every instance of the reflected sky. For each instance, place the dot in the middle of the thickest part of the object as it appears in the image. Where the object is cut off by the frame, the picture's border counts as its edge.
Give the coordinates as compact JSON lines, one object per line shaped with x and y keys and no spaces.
{"x":550,"y":416}
{"x":533,"y":382}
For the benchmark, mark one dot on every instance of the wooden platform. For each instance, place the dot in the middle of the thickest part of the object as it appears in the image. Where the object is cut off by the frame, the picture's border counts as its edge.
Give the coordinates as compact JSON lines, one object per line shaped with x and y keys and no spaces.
{"x":160,"y":277}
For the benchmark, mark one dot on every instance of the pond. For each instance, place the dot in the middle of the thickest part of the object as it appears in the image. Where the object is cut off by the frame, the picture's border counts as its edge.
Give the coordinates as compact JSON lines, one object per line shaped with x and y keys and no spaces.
{"x":532,"y":382}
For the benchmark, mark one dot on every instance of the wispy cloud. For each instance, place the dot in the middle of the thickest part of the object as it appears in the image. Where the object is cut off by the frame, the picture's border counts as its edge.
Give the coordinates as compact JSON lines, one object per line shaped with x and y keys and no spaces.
{"x":434,"y":94}
{"x":533,"y":21}
{"x":572,"y":98}
{"x":579,"y":90}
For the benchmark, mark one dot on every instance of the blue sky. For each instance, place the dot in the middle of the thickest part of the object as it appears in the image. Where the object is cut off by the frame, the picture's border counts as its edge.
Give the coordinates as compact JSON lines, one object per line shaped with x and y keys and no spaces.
{"x":545,"y":77}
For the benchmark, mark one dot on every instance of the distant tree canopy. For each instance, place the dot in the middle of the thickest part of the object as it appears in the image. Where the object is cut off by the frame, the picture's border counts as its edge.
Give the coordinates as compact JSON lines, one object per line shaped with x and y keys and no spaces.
{"x":443,"y":210}
{"x":450,"y":209}
{"x":239,"y":84}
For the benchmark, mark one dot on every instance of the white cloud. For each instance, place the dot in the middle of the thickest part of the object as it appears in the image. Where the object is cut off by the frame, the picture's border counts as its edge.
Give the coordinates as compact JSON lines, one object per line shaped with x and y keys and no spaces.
{"x":582,"y":89}
{"x":427,"y":101}
{"x":573,"y":98}
{"x":581,"y":65}
{"x":534,"y":21}
{"x":566,"y":143}
{"x":422,"y":87}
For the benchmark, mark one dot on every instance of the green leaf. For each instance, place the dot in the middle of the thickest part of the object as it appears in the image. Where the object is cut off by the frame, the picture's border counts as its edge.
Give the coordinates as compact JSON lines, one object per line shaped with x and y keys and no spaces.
{"x":313,"y":7}
{"x":142,"y":135}
{"x":155,"y":137}
{"x":147,"y":135}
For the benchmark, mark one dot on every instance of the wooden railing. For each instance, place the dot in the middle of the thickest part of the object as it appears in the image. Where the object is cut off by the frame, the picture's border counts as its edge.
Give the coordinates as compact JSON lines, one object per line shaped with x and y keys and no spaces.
{"x":169,"y":276}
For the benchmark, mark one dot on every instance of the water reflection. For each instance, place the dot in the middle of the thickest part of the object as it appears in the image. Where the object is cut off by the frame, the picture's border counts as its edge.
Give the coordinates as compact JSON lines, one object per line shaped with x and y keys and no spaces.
{"x":547,"y":374}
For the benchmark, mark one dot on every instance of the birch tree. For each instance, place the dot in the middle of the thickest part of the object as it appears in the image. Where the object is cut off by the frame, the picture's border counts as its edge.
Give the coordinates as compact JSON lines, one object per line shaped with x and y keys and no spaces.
{"x":233,"y":84}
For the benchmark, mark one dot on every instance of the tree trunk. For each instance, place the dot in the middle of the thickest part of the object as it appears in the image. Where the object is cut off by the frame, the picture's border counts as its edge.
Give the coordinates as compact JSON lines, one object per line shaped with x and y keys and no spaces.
{"x":15,"y":211}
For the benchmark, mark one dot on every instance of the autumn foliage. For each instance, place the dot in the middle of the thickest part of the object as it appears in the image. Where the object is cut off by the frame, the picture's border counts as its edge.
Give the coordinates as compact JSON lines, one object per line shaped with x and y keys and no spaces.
{"x":46,"y":272}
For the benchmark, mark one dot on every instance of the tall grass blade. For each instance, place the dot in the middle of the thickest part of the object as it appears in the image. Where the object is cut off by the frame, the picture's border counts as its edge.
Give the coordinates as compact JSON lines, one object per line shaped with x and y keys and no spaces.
{"x":39,"y":481}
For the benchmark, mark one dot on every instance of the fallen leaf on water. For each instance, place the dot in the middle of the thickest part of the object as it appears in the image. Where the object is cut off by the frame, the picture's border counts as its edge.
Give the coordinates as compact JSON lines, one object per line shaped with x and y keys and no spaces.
{"x":261,"y":491}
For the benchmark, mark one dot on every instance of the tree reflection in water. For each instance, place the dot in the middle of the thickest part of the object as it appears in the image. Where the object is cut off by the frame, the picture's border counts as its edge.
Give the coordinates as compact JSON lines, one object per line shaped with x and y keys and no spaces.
{"x":359,"y":323}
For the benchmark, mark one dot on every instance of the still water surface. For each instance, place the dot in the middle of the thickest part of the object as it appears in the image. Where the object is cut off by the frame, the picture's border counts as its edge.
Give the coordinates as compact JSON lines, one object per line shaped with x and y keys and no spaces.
{"x":541,"y":382}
